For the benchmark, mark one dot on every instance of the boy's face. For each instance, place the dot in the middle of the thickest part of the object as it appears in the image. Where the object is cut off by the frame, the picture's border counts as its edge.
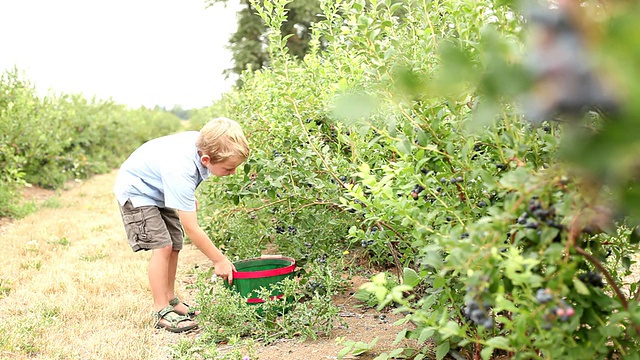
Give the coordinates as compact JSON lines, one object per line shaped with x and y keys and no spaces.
{"x":222,"y":168}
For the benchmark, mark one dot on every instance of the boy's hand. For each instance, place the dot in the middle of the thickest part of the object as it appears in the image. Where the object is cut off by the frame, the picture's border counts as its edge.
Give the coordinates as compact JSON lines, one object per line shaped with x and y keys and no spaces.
{"x":224,"y":269}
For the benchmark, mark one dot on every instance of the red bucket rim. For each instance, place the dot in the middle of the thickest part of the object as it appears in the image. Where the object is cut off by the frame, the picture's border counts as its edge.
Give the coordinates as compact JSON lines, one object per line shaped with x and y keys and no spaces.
{"x":265,"y":273}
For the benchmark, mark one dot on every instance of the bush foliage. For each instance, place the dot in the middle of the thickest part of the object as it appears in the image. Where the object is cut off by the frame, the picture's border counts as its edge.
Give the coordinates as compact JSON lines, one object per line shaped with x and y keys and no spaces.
{"x":447,"y":142}
{"x":49,"y":140}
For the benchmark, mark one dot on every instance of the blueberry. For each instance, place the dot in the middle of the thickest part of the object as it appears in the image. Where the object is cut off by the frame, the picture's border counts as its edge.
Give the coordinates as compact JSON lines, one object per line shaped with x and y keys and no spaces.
{"x":544,"y":296}
{"x":488,"y":323}
{"x":532,"y":225}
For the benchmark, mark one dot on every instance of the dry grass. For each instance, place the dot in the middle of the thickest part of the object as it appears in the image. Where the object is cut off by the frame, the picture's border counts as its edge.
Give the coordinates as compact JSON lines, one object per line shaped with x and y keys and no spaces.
{"x":72,"y":287}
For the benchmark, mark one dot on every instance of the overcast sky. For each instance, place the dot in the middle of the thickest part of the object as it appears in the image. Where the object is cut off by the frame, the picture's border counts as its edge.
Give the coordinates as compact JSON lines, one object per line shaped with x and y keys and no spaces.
{"x":137,"y":52}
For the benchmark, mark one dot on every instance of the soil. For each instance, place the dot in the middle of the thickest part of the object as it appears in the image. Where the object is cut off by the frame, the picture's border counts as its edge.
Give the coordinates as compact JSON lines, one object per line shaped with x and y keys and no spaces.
{"x":360,"y":323}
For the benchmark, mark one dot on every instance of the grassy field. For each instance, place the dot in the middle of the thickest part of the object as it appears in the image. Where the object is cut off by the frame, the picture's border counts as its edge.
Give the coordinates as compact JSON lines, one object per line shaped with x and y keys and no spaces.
{"x":71,"y":288}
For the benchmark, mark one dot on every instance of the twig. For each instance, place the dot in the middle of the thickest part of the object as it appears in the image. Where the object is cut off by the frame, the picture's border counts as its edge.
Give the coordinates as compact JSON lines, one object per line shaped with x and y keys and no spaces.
{"x":322,"y":159}
{"x":393,"y":250}
{"x":610,"y":280}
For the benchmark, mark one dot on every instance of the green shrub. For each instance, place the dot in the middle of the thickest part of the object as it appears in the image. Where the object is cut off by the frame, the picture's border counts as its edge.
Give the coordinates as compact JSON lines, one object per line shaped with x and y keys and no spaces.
{"x":49,"y":140}
{"x":403,"y":125}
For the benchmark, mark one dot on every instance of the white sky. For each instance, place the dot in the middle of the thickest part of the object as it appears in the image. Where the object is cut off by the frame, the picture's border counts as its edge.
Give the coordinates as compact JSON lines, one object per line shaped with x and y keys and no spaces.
{"x":136,"y":52}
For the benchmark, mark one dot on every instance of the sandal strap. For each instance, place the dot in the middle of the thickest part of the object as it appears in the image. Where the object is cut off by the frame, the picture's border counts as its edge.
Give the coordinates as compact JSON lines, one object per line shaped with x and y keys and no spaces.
{"x":162,"y":313}
{"x":175,"y":301}
{"x":170,"y":314}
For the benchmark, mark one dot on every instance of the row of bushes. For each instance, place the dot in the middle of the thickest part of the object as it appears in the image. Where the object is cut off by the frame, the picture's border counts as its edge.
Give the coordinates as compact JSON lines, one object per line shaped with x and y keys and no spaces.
{"x":399,"y":140}
{"x":48,"y":140}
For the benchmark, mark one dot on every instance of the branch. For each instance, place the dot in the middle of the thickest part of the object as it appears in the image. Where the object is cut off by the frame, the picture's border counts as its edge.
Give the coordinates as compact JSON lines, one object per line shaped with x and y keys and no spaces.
{"x":394,"y":251}
{"x":610,"y":280}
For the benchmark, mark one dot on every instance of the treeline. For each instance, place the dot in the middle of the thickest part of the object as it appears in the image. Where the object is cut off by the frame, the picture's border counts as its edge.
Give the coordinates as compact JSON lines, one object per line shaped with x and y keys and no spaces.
{"x":48,"y":140}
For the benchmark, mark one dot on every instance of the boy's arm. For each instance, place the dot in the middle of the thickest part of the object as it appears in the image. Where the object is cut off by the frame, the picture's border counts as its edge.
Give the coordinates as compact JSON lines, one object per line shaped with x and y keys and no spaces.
{"x":223,"y":267}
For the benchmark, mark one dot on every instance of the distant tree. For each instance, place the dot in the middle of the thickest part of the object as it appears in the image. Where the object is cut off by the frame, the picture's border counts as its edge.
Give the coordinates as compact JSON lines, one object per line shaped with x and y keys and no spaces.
{"x":180,"y":112}
{"x":177,"y":110}
{"x":248,"y":44}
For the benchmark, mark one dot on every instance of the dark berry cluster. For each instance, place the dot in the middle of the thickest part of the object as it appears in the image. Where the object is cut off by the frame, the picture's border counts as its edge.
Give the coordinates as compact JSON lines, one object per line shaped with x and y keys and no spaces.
{"x":537,"y":214}
{"x":315,"y":286}
{"x":560,"y":311}
{"x":478,"y":313}
{"x":366,"y":242}
{"x":280,"y":229}
{"x":592,"y":278}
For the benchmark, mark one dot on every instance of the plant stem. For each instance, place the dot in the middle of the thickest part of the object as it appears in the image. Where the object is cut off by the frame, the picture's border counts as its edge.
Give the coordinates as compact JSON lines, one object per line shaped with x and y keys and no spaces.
{"x":610,"y":280}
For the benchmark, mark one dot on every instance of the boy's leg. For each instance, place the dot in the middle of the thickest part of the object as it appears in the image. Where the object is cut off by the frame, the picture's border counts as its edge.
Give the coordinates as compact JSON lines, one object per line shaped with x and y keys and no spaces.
{"x":171,"y":276}
{"x":147,"y":229}
{"x":159,"y":272}
{"x":174,"y":227}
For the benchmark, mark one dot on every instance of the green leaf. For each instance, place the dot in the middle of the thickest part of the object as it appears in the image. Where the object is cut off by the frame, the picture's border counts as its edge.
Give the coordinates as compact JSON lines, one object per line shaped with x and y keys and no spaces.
{"x":442,"y":350}
{"x":404,"y":146}
{"x":580,"y":287}
{"x":499,"y":342}
{"x":486,"y":352}
{"x":344,"y":351}
{"x":395,"y":353}
{"x":400,"y":336}
{"x":410,"y":277}
{"x":451,"y":329}
{"x":425,"y":334}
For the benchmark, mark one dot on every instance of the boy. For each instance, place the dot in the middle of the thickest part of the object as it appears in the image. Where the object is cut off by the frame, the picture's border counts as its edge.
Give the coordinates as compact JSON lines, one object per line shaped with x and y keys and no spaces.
{"x":155,"y":188}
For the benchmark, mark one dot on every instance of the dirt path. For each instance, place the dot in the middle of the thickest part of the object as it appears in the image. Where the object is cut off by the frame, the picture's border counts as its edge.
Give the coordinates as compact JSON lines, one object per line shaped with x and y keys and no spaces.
{"x":70,"y":288}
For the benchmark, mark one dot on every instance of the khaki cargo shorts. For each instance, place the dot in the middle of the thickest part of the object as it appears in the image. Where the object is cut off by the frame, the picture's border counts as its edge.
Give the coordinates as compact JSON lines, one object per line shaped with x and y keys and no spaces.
{"x":151,"y":227}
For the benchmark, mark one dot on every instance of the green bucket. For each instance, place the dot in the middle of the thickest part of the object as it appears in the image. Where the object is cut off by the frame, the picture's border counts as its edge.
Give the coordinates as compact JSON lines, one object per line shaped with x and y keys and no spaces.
{"x":252,"y":274}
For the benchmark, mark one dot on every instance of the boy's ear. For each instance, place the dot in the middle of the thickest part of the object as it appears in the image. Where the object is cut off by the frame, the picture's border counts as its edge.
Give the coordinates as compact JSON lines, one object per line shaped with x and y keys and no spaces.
{"x":205,"y":159}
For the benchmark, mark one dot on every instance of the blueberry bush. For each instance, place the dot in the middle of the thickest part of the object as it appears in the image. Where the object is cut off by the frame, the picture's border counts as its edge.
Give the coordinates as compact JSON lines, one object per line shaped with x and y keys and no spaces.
{"x":48,"y":140}
{"x":482,"y":152}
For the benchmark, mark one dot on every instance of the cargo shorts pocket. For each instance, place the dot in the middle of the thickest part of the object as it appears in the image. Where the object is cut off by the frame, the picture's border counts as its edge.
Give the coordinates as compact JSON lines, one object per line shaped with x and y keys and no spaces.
{"x":135,"y":226}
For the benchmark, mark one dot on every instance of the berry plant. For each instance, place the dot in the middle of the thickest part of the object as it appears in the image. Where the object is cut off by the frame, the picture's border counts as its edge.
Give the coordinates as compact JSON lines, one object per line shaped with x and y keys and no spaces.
{"x":479,"y":153}
{"x":49,"y":140}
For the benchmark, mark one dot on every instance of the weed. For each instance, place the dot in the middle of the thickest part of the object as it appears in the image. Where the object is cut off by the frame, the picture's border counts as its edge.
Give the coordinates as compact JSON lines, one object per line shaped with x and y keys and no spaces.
{"x":31,"y":264}
{"x":5,"y":288}
{"x":32,"y":246}
{"x":356,"y":348}
{"x":226,"y":316}
{"x":20,"y":334}
{"x":62,"y":242}
{"x":93,"y":257}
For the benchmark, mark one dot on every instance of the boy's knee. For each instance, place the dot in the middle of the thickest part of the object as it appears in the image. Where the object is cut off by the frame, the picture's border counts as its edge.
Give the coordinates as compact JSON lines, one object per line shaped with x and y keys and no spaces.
{"x":165,"y":250}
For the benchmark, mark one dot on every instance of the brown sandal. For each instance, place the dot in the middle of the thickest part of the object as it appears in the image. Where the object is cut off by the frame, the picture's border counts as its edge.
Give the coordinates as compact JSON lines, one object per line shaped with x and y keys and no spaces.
{"x":174,"y":319}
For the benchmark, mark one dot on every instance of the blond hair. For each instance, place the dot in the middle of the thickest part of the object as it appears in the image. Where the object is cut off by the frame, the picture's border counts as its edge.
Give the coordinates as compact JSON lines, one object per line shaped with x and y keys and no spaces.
{"x":222,"y":138}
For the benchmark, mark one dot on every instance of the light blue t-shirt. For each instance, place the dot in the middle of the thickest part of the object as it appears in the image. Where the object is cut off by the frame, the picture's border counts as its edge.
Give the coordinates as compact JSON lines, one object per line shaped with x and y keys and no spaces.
{"x":163,"y":172}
